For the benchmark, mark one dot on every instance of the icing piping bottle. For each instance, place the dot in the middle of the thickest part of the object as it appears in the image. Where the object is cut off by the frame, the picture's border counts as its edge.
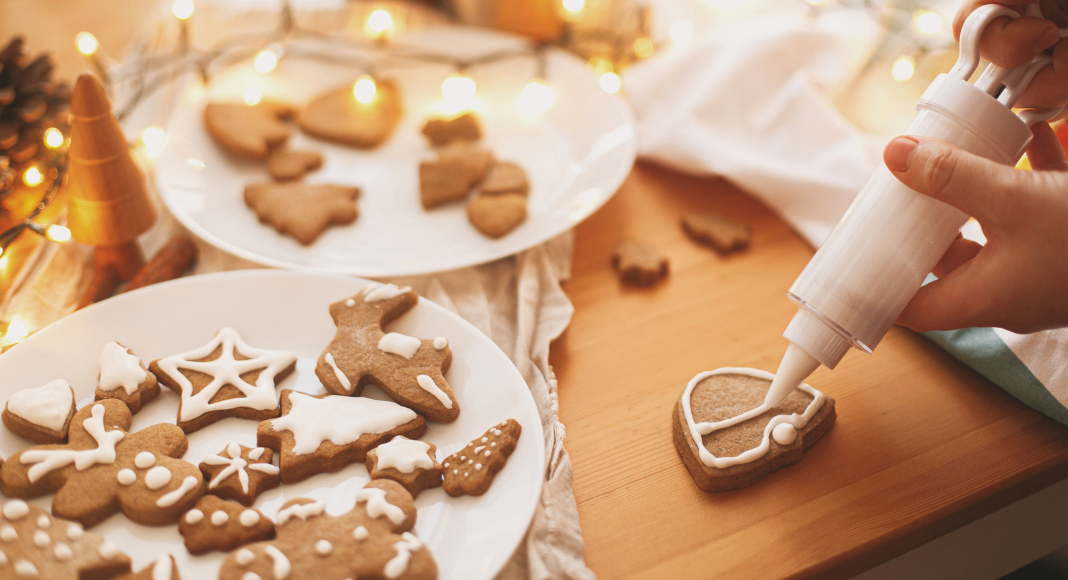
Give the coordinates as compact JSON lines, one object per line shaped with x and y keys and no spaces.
{"x":891,"y":237}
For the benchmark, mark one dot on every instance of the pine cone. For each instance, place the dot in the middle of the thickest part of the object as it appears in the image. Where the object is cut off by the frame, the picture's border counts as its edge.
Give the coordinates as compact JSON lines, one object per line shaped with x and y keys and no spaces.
{"x":30,"y":102}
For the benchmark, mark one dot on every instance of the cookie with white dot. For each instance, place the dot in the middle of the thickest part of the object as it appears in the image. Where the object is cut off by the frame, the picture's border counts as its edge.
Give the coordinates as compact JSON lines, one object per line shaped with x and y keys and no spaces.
{"x":409,"y":462}
{"x":42,"y":414}
{"x":164,"y":568}
{"x":123,"y":376}
{"x":471,"y":470}
{"x":217,"y":524}
{"x":33,"y":544}
{"x":240,"y":473}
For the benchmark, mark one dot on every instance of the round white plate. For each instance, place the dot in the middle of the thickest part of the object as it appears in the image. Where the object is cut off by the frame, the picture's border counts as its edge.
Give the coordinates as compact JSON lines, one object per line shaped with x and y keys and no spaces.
{"x":469,"y":537}
{"x":576,"y":155}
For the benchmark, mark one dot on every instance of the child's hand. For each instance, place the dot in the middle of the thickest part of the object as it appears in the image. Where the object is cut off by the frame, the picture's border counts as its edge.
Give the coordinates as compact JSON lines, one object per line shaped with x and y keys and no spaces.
{"x":1010,"y":43}
{"x":1019,"y":280}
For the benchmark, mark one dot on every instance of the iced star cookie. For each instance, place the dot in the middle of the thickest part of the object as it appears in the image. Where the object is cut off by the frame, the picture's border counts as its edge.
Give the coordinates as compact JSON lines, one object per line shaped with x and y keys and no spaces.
{"x":373,"y":540}
{"x":42,"y":414}
{"x":123,"y":376}
{"x":164,"y":568}
{"x":728,"y":438}
{"x":324,"y":433}
{"x":104,"y":469}
{"x":471,"y":470}
{"x":224,"y":378}
{"x":240,"y":473}
{"x":410,"y":370}
{"x":36,"y":545}
{"x":410,"y":463}
{"x":217,"y":524}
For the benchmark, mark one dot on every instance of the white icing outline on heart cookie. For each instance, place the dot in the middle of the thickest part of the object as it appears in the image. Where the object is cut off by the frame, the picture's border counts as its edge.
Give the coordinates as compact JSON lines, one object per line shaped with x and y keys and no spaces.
{"x":698,"y":430}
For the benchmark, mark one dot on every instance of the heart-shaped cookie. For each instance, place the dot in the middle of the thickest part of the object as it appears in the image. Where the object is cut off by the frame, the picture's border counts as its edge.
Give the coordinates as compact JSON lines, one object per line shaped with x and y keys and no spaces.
{"x":497,"y":215}
{"x":42,"y":414}
{"x":249,"y":131}
{"x":337,"y":116}
{"x":728,"y":438}
{"x":289,"y":164}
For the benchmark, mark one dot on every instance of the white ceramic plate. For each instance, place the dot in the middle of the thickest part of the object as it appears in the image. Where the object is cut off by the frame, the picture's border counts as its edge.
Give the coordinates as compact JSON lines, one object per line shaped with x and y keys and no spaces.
{"x":470,"y":537}
{"x":576,"y":154}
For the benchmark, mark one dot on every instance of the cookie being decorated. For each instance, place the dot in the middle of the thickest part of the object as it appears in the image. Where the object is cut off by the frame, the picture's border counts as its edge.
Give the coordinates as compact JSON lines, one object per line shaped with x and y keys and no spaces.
{"x":471,"y":470}
{"x":248,"y":130}
{"x":302,"y":210}
{"x":410,"y":370}
{"x":240,"y":473}
{"x":104,"y":469}
{"x":410,"y":463}
{"x":464,"y":127}
{"x":217,"y":524}
{"x":123,"y":376}
{"x":324,"y":433}
{"x":164,"y":568}
{"x":372,"y":541}
{"x":41,"y":414}
{"x":224,"y":378}
{"x":337,"y":116}
{"x":729,"y":438}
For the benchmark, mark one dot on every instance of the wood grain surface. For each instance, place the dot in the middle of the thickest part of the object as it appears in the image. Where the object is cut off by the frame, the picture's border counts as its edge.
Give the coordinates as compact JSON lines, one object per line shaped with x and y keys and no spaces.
{"x":922,"y":444}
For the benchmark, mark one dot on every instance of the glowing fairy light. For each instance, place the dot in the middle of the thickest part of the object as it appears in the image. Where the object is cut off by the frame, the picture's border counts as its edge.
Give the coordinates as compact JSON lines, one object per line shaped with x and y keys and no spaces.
{"x":86,"y":43}
{"x":903,"y":68}
{"x":53,"y":138}
{"x":252,"y":96}
{"x":153,"y":138}
{"x":16,"y":331}
{"x":681,"y":31}
{"x":610,"y":82}
{"x":58,"y":233}
{"x":536,"y":98}
{"x":364,"y":89}
{"x":183,"y":9}
{"x":574,"y":6}
{"x":33,"y":176}
{"x":265,"y":61}
{"x":458,"y":89}
{"x":927,"y":21}
{"x":379,"y":24}
{"x":643,"y":47}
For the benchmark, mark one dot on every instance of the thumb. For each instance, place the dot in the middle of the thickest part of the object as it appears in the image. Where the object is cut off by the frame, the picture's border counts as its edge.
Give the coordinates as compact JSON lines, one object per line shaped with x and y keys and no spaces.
{"x":938,"y":169}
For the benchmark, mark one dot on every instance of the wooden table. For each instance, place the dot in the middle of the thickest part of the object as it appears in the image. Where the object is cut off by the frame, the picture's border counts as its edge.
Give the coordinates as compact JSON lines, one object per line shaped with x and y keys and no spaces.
{"x":922,"y":444}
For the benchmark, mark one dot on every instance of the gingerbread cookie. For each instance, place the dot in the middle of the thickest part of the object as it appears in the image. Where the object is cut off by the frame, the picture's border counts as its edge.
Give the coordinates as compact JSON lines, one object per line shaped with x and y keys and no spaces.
{"x":324,"y":433}
{"x":36,"y":545}
{"x":337,"y":116}
{"x":717,"y":232}
{"x":639,"y":262}
{"x":164,"y":568}
{"x":248,"y":130}
{"x":410,"y":370}
{"x":42,"y":414}
{"x":410,"y":463}
{"x":445,"y":180}
{"x":216,"y":380}
{"x":728,"y":438}
{"x":497,"y":215}
{"x":302,"y":210}
{"x":373,"y":540}
{"x":478,"y":159}
{"x":217,"y":524}
{"x":240,"y":473}
{"x":471,"y":470}
{"x":287,"y":164}
{"x":505,"y":177}
{"x":104,"y":469}
{"x":444,"y":131}
{"x":123,"y":377}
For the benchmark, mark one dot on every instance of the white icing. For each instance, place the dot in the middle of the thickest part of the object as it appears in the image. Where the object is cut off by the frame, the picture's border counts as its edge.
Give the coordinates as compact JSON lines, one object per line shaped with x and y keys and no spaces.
{"x":8,"y":534}
{"x":75,"y":532}
{"x":41,"y":539}
{"x":488,"y":452}
{"x":194,"y":516}
{"x":145,"y":459}
{"x":188,"y":484}
{"x":479,"y":448}
{"x":431,"y":387}
{"x":399,"y":344}
{"x":15,"y":509}
{"x":157,"y":477}
{"x":47,"y":460}
{"x":281,"y":563}
{"x":485,"y":439}
{"x":497,"y":432}
{"x":440,"y":342}
{"x":360,"y":533}
{"x":324,"y":547}
{"x":478,"y":466}
{"x":25,"y":568}
{"x":399,"y":563}
{"x":256,"y":453}
{"x":161,"y":570}
{"x":376,"y":292}
{"x":234,"y":464}
{"x":227,"y":370}
{"x":63,"y":552}
{"x":404,"y":455}
{"x":249,"y":518}
{"x":784,"y":434}
{"x":43,"y":521}
{"x":126,"y":476}
{"x":699,"y":430}
{"x":108,"y":550}
{"x":340,"y":420}
{"x":301,"y":510}
{"x":119,"y":368}
{"x":264,"y":467}
{"x":377,"y":506}
{"x":341,"y":378}
{"x":220,"y":518}
{"x":504,"y":423}
{"x":494,"y":444}
{"x":244,"y":557}
{"x":350,"y":303}
{"x":47,"y":406}
{"x":251,"y":576}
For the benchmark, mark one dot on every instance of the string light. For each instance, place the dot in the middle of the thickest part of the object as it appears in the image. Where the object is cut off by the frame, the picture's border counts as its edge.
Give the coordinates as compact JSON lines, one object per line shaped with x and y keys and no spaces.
{"x":364,"y":89}
{"x":536,"y":98}
{"x":58,"y":233}
{"x":265,"y":61}
{"x":903,"y":69}
{"x":927,"y":21}
{"x":153,"y":138}
{"x":252,"y":96}
{"x":458,"y":89}
{"x":379,"y":24}
{"x":643,"y":47}
{"x":574,"y":6}
{"x":681,"y":32}
{"x":16,"y":331}
{"x":53,"y":138}
{"x":86,"y":43}
{"x":33,"y":176}
{"x":183,"y":9}
{"x":610,"y":82}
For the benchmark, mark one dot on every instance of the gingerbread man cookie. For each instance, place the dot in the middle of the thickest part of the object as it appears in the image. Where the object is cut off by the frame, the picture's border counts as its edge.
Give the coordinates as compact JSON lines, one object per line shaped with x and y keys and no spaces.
{"x":410,"y":463}
{"x":248,"y":130}
{"x":43,"y":414}
{"x":373,"y":540}
{"x":471,"y":470}
{"x":444,"y":131}
{"x":324,"y":433}
{"x":302,"y":210}
{"x":164,"y":568}
{"x":104,"y":469}
{"x":217,"y":524}
{"x":410,"y":370}
{"x":224,"y":378}
{"x":240,"y":473}
{"x":33,"y":544}
{"x":123,"y":376}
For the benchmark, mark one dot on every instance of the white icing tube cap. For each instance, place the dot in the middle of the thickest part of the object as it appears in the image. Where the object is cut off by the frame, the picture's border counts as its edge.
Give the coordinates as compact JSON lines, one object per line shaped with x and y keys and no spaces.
{"x":812,"y":342}
{"x":796,"y":365}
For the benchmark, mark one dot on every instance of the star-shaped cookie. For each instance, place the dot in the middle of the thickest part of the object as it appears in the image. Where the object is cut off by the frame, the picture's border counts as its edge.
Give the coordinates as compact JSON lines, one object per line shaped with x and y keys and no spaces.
{"x":639,"y":262}
{"x":240,"y":473}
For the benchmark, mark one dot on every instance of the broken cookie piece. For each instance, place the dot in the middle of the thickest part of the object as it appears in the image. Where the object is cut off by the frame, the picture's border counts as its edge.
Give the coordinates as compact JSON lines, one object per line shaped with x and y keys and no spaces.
{"x":443,"y":131}
{"x":719,"y":233}
{"x":446,"y":179}
{"x":505,"y":177}
{"x":639,"y":263}
{"x":289,"y":164}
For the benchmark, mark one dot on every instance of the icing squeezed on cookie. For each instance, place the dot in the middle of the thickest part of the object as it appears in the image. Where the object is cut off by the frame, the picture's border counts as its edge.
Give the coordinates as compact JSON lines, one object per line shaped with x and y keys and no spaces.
{"x":399,"y":344}
{"x":376,"y":292}
{"x":378,"y":505}
{"x":431,"y":387}
{"x":404,"y":455}
{"x":340,"y":420}
{"x":399,"y":564}
{"x":341,"y":378}
{"x":119,"y":368}
{"x":47,"y":406}
{"x":48,"y":460}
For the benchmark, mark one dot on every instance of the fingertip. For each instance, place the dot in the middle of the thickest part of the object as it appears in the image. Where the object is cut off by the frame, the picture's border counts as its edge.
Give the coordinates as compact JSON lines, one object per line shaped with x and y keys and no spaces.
{"x":1011,"y":43}
{"x":898,"y":153}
